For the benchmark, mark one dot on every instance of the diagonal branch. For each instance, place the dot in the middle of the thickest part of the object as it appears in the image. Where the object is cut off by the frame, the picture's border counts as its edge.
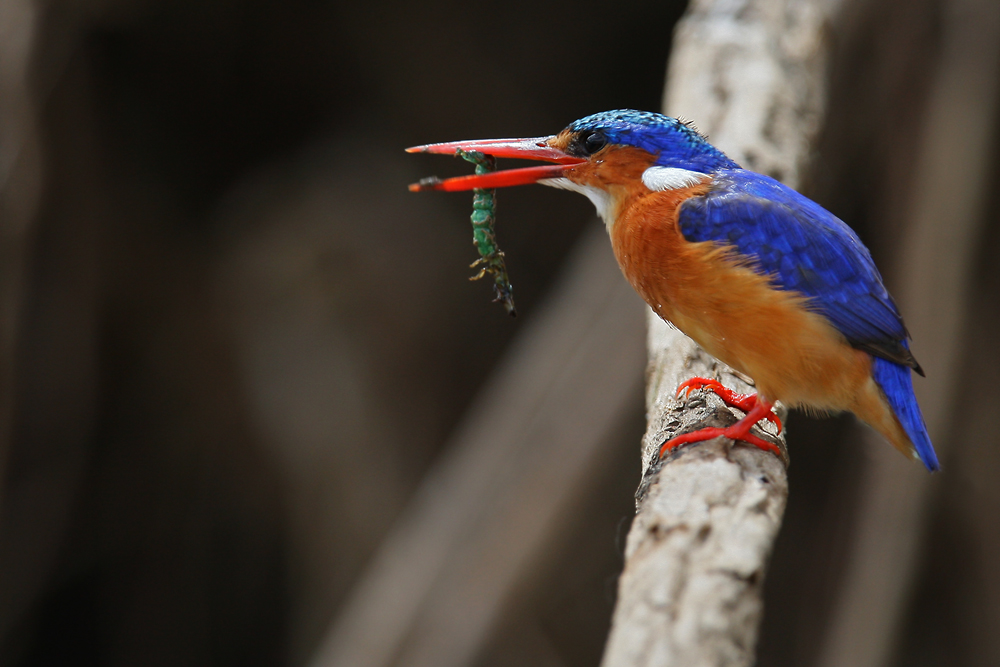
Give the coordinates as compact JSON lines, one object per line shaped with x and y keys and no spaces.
{"x":752,"y":74}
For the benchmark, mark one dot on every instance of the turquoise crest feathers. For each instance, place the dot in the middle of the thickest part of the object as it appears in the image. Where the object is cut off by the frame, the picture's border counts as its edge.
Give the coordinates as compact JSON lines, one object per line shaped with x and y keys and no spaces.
{"x":674,"y":142}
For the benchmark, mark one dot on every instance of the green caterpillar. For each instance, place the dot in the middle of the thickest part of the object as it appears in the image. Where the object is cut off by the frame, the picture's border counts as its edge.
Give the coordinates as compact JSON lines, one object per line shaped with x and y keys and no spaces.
{"x":483,"y":235}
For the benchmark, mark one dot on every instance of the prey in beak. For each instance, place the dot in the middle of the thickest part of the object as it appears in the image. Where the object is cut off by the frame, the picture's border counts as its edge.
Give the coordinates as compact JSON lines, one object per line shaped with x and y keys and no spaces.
{"x":536,"y":148}
{"x":483,"y":183}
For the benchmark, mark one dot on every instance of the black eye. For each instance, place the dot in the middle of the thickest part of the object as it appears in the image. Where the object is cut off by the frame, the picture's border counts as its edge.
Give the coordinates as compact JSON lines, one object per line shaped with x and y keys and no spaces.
{"x":593,"y":141}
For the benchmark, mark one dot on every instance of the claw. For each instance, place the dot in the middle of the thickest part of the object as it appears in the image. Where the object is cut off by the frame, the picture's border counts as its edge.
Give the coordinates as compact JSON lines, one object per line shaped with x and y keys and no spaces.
{"x":738,"y":431}
{"x":744,"y":402}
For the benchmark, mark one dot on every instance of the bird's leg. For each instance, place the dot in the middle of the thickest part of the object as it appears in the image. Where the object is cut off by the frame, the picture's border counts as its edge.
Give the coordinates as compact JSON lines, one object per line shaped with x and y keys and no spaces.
{"x":744,"y":402}
{"x":759,"y":409}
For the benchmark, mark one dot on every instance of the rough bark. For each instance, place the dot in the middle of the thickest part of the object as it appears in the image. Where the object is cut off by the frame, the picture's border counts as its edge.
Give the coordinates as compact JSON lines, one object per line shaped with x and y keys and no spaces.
{"x":751,"y":74}
{"x":696,"y":554}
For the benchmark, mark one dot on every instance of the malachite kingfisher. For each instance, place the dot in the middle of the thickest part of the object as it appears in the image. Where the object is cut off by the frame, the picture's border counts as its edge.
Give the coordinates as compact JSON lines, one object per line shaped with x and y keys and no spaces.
{"x":760,"y":276}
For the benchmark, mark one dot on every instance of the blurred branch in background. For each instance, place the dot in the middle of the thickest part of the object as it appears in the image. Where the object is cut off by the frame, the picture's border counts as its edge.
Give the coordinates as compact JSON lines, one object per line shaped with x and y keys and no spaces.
{"x":935,"y":269}
{"x":49,"y":293}
{"x":20,"y":181}
{"x":515,"y":472}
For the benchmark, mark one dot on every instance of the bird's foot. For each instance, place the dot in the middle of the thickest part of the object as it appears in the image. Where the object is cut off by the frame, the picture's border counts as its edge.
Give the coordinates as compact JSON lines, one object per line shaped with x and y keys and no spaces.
{"x":744,"y":402}
{"x":756,"y":409}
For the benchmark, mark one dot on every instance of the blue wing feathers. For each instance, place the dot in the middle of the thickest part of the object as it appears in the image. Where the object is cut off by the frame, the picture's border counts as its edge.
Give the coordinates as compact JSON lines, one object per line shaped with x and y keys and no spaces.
{"x":804,"y":248}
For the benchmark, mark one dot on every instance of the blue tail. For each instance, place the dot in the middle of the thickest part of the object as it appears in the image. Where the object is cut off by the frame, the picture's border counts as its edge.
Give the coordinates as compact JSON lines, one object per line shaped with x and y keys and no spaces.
{"x":897,"y":385}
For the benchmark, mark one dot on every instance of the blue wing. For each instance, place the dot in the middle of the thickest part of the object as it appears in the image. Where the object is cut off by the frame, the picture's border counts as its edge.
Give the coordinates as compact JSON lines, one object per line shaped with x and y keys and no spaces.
{"x":805,"y":249}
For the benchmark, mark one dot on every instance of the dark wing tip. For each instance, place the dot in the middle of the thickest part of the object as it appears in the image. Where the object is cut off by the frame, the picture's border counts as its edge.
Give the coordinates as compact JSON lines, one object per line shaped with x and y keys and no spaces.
{"x":890,"y":350}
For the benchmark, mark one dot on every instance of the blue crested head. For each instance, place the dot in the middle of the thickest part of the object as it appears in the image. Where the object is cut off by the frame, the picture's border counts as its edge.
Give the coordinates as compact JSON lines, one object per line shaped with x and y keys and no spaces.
{"x":675,"y":143}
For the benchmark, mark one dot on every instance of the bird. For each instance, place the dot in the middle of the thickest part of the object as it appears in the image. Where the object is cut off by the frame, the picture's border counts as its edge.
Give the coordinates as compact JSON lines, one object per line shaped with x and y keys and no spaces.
{"x":760,"y":276}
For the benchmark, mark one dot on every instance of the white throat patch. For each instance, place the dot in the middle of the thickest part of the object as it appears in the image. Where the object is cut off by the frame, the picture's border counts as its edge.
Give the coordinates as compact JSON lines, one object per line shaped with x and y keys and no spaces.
{"x":670,"y":178}
{"x":600,"y":198}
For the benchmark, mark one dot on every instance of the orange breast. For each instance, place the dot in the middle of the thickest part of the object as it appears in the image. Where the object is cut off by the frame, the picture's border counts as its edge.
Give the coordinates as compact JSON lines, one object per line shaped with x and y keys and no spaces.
{"x":710,"y":293}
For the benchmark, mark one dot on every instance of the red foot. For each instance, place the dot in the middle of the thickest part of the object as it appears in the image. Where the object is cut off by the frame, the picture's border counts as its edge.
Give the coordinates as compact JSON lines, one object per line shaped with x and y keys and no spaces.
{"x":744,"y":402}
{"x":755,"y":409}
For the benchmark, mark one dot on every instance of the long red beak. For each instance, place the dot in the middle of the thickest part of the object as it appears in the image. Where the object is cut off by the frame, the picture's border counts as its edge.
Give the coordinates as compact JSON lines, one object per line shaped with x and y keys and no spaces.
{"x":536,"y":148}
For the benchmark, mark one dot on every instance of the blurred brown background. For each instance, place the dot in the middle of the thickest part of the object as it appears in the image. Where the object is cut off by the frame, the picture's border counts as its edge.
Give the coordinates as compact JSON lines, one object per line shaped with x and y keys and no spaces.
{"x":233,"y":343}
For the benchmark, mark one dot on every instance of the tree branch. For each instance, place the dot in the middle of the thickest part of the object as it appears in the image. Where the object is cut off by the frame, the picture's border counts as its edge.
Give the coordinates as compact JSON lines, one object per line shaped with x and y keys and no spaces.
{"x":20,"y":180}
{"x":752,"y":74}
{"x":695,"y":558}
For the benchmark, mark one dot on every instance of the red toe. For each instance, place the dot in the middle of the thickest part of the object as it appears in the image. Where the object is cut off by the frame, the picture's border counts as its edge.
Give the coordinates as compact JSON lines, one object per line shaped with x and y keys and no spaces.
{"x":738,"y":431}
{"x":744,"y":402}
{"x":694,"y":436}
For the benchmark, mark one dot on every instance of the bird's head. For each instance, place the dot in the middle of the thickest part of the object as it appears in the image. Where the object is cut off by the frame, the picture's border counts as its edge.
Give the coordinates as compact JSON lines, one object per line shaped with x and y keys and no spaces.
{"x":608,"y":157}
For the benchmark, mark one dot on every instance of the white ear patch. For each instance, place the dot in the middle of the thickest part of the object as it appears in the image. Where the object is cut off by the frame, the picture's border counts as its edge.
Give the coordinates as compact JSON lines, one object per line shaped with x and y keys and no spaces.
{"x":600,"y":198}
{"x":670,"y":178}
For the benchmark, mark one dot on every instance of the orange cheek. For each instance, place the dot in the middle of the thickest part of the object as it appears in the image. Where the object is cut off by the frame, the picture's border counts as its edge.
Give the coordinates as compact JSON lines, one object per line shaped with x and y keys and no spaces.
{"x":614,"y":168}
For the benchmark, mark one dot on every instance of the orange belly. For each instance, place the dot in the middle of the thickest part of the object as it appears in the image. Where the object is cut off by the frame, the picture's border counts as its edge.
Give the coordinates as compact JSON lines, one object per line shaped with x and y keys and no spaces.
{"x":706,"y":290}
{"x":793,"y":354}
